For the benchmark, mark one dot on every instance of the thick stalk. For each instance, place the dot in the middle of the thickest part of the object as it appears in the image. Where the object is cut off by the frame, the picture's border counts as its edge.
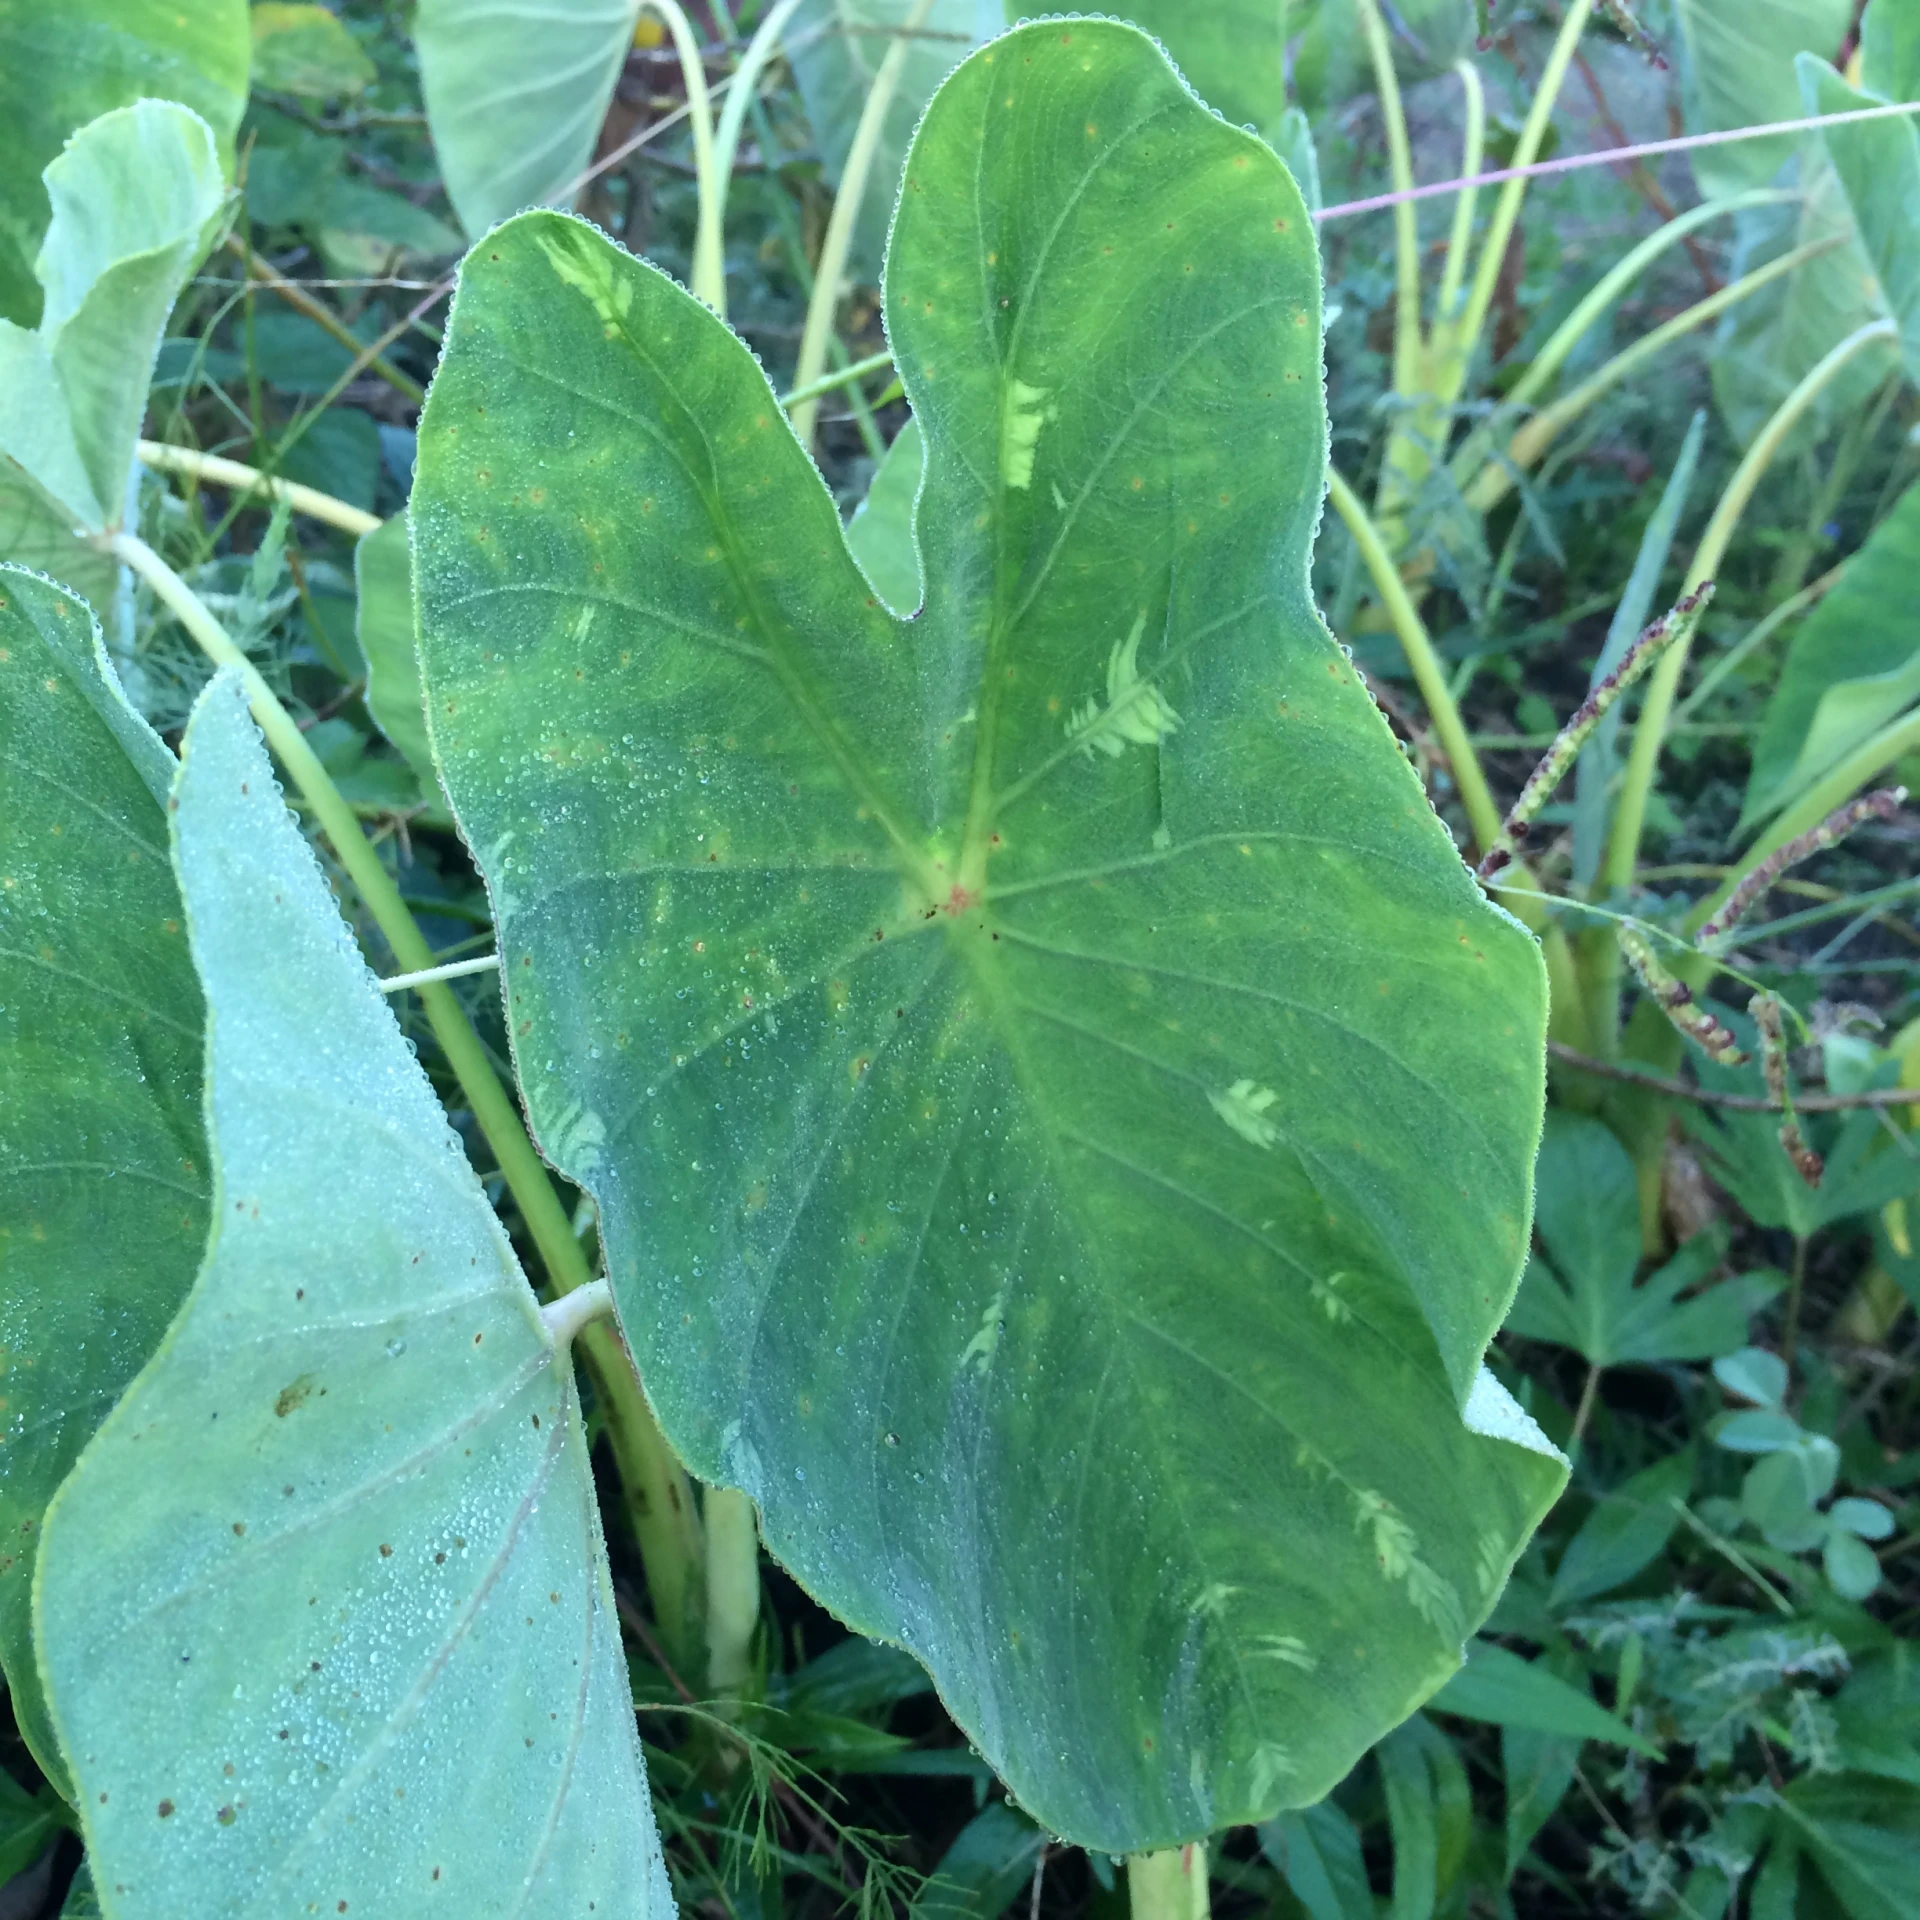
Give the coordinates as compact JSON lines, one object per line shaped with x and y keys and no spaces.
{"x":494,"y":1113}
{"x":1451,"y":730}
{"x":249,"y":480}
{"x":1472,"y":156}
{"x":1495,"y":480}
{"x":709,"y":261}
{"x":733,"y":1590}
{"x":1649,"y":734}
{"x":832,"y":264}
{"x":1170,"y":1885}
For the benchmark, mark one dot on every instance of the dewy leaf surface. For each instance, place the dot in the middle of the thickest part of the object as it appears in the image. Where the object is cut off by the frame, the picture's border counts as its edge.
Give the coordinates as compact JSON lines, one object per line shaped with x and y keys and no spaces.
{"x":102,"y":1152}
{"x":66,"y":62}
{"x":135,"y":196}
{"x":515,"y":95}
{"x":324,"y":1613}
{"x":1061,"y":1115}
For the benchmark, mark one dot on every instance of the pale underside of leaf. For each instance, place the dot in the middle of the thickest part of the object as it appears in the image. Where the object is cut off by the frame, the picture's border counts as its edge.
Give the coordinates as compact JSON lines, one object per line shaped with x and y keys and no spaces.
{"x":323,"y":1611}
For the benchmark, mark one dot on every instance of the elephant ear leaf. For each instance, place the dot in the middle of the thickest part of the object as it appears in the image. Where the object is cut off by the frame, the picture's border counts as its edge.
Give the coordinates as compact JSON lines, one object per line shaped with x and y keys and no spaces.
{"x":102,"y":1152}
{"x":323,"y":1611}
{"x":137,"y":196}
{"x":1062,"y":1115}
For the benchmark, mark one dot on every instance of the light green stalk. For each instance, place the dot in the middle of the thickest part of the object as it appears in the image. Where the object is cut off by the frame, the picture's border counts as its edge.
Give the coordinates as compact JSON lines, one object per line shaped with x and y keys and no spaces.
{"x":832,"y":264}
{"x":1170,"y":1885}
{"x":1409,"y":348}
{"x":1649,"y":734}
{"x":1429,"y":676}
{"x":742,"y":91}
{"x":1762,"y":631}
{"x":657,"y":1494}
{"x":1460,"y":242}
{"x":709,"y":259}
{"x":248,"y":480}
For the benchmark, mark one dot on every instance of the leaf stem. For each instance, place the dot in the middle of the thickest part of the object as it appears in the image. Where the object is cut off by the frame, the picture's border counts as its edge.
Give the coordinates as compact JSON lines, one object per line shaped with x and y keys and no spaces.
{"x":841,"y":377}
{"x":1171,"y":1885}
{"x":1409,"y":348}
{"x":1733,"y":1102}
{"x":709,"y":261}
{"x":1460,"y":241}
{"x":1649,"y":734}
{"x":743,"y":87}
{"x":639,"y":1446}
{"x":571,"y":1312}
{"x":832,"y":265}
{"x":243,"y":479}
{"x":1448,"y":726}
{"x":733,"y":1589}
{"x":453,"y":970}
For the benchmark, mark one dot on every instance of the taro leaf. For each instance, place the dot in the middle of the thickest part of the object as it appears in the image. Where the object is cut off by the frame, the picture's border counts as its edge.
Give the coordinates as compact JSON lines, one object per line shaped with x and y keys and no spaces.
{"x":383,"y":575}
{"x":323,"y":1610}
{"x":1627,"y":1530}
{"x":307,"y":49}
{"x":880,"y":534}
{"x":1879,"y":166}
{"x":1586,"y":1298}
{"x":1737,"y":65}
{"x":136,"y":197}
{"x":66,"y":62}
{"x":1060,"y":1115}
{"x":1890,"y":49}
{"x":1854,"y":665}
{"x":836,"y":47}
{"x":515,"y":96}
{"x":102,"y":1154}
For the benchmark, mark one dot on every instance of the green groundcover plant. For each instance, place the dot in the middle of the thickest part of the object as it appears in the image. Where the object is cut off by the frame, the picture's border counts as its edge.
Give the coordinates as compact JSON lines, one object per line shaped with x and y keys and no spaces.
{"x":1052,"y":1124}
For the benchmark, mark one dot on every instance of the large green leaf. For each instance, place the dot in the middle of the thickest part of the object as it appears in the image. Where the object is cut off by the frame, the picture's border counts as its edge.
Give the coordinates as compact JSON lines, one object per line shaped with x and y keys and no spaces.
{"x":101,"y":1154}
{"x":66,"y":62}
{"x":323,"y":1610}
{"x":515,"y":95}
{"x":1737,"y":60}
{"x":1060,"y":1112}
{"x":1878,"y":163}
{"x":136,"y":196}
{"x":1890,"y":49}
{"x":836,"y":47}
{"x":1854,"y":665}
{"x":1587,"y":1299}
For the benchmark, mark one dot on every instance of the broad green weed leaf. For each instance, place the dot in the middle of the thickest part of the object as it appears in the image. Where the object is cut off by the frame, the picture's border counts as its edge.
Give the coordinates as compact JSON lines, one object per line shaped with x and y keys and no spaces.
{"x":136,"y":197}
{"x":64,"y":63}
{"x":835,"y":48}
{"x":1317,"y":1851}
{"x":1854,"y":665}
{"x":880,"y":534}
{"x":1863,"y":1835}
{"x":307,"y":49}
{"x":1536,"y":1770}
{"x":36,"y":534}
{"x":29,"y":1824}
{"x":102,"y":1152}
{"x":1879,"y":166}
{"x":1499,"y":1686}
{"x":383,"y":575}
{"x":1583,"y":1295}
{"x":1060,"y":1114}
{"x":1627,"y":1530}
{"x":515,"y":96}
{"x":978,"y":1876}
{"x":323,"y":1611}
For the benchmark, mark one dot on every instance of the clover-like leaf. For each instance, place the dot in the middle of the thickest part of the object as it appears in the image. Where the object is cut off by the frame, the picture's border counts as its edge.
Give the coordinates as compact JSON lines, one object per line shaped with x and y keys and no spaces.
{"x":64,"y":63}
{"x":1060,"y":1113}
{"x":323,"y":1611}
{"x":136,"y":197}
{"x":102,"y":1152}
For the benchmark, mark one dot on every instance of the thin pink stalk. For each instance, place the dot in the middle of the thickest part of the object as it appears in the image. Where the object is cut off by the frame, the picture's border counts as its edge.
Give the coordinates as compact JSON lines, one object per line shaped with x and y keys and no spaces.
{"x":1572,"y":163}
